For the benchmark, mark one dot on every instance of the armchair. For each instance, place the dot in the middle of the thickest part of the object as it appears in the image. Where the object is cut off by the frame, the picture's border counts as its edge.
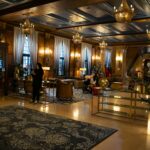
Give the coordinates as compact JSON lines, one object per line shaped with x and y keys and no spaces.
{"x":64,"y":90}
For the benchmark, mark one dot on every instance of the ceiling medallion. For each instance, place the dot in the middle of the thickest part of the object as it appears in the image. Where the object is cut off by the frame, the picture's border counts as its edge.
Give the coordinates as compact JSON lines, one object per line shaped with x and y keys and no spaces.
{"x":124,"y":13}
{"x":77,"y":38}
{"x":27,"y":27}
{"x":103,"y":44}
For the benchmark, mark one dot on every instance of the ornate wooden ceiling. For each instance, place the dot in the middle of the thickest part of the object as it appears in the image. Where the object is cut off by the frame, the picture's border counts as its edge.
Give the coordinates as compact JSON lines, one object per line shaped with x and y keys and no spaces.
{"x":90,"y":17}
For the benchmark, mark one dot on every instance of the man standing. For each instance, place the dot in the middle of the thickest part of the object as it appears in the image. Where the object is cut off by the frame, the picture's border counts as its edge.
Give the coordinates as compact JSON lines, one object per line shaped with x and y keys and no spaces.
{"x":37,"y":82}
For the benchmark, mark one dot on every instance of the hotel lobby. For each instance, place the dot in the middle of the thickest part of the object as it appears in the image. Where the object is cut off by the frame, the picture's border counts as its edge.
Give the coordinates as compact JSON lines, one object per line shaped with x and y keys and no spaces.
{"x":95,"y":91}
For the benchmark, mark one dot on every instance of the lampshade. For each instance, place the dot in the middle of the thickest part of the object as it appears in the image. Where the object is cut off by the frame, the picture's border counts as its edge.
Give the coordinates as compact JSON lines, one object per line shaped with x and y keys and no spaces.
{"x":124,"y":13}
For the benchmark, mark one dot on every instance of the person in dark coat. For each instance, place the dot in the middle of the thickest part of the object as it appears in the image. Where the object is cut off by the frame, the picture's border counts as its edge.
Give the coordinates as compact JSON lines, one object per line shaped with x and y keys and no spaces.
{"x":37,"y":76}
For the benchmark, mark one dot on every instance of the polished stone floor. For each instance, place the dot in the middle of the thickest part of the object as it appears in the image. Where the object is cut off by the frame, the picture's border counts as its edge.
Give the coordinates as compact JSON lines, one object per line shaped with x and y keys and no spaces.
{"x":131,"y":134}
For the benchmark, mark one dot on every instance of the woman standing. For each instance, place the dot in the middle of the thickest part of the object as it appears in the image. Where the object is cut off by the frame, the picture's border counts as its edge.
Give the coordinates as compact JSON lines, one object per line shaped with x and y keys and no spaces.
{"x":37,"y":82}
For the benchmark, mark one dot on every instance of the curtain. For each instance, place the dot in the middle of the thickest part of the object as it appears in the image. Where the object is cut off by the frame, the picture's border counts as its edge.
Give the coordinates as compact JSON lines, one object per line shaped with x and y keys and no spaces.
{"x":107,"y":58}
{"x":33,"y":44}
{"x":19,"y":39}
{"x":62,"y":44}
{"x":57,"y":50}
{"x":66,"y":47}
{"x":86,"y":47}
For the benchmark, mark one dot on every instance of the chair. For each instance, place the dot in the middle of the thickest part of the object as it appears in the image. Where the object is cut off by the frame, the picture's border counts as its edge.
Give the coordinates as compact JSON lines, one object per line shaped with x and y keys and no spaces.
{"x":64,"y":90}
{"x":28,"y":87}
{"x":78,"y":84}
{"x":20,"y":87}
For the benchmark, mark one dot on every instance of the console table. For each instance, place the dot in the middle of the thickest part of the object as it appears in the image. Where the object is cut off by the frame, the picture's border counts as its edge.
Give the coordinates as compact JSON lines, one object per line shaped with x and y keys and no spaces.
{"x":125,"y":103}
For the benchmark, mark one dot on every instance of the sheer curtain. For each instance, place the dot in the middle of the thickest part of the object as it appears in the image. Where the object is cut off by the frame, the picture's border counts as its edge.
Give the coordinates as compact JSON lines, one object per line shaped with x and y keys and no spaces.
{"x":33,"y":43}
{"x":19,"y":39}
{"x":57,"y":49}
{"x":107,"y":58}
{"x":62,"y":44}
{"x":66,"y":47}
{"x":86,"y":47}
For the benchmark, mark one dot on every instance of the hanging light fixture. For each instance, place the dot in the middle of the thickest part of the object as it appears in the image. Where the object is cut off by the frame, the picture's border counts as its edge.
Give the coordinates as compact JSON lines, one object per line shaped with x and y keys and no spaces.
{"x":77,"y":38}
{"x":103,"y":44}
{"x":124,"y":13}
{"x":27,"y":27}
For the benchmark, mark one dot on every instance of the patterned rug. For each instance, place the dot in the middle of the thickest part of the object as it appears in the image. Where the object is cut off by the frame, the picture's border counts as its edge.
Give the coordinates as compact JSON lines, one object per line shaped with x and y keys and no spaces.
{"x":26,"y":129}
{"x":78,"y":96}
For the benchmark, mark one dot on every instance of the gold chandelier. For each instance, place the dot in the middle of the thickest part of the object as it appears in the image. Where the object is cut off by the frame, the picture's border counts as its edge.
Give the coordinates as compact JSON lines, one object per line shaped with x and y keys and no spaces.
{"x":77,"y":38}
{"x":124,"y":13}
{"x":27,"y":27}
{"x":103,"y":44}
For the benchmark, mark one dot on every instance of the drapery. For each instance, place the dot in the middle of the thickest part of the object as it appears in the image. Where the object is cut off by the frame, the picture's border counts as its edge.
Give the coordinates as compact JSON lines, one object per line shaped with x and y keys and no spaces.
{"x":66,"y":47}
{"x":19,"y":39}
{"x":86,"y":47}
{"x":107,"y":58}
{"x":57,"y":49}
{"x":33,"y":43}
{"x":61,"y":44}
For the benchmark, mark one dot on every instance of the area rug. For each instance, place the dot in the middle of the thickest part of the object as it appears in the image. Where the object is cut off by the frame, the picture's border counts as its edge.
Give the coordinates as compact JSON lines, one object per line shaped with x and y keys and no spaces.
{"x":78,"y":96}
{"x":26,"y":129}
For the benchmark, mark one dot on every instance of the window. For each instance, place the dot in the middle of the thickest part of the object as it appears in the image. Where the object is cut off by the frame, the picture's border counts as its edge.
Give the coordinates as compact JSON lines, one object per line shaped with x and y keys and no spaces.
{"x":26,"y":57}
{"x":1,"y":64}
{"x":61,"y":55}
{"x":61,"y":63}
{"x":108,"y":70}
{"x":108,"y":59}
{"x":86,"y":61}
{"x":86,"y":50}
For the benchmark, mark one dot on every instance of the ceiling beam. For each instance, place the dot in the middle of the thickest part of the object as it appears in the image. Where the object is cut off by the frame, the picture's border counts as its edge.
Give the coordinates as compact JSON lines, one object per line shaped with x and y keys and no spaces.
{"x":131,"y":44}
{"x":146,"y":19}
{"x":117,"y":35}
{"x":6,"y":1}
{"x":27,"y":5}
{"x":42,"y":7}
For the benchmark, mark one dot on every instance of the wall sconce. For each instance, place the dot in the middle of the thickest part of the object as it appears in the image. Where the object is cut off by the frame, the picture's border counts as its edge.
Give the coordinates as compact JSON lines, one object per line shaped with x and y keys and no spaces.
{"x":46,"y":68}
{"x":72,"y":54}
{"x":119,"y":61}
{"x":96,"y":57}
{"x":119,"y":58}
{"x":41,"y":51}
{"x":75,"y":55}
{"x":48,"y":51}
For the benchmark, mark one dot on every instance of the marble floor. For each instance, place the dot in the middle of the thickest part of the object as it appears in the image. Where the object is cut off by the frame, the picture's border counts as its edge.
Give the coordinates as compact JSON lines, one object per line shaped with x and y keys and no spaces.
{"x":131,"y":135}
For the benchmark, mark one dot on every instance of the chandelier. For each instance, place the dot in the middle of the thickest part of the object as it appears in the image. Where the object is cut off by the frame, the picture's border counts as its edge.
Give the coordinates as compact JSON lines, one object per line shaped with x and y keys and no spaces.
{"x":148,"y":33}
{"x":77,"y":38}
{"x":27,"y":27}
{"x":103,"y":44}
{"x":124,"y":13}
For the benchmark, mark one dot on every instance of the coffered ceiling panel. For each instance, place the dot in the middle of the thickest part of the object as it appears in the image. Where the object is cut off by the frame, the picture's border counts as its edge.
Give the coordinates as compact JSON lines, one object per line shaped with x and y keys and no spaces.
{"x":91,"y":18}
